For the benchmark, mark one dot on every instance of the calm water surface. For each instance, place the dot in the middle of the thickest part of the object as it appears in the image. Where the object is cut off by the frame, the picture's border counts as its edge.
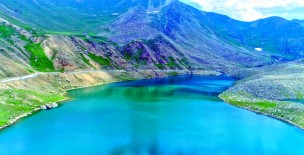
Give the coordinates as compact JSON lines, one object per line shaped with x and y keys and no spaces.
{"x":172,"y":116}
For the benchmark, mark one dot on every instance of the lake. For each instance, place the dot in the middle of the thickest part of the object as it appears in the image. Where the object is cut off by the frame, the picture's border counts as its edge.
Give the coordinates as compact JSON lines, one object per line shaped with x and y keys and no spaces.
{"x":172,"y":116}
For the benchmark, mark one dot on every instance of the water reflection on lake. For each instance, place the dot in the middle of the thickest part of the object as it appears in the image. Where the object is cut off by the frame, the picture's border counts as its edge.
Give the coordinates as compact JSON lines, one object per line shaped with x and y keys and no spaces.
{"x":177,"y":115}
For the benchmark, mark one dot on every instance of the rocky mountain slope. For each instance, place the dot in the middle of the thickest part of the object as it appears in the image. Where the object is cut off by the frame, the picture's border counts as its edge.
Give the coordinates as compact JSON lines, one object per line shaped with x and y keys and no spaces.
{"x":144,"y":34}
{"x":141,"y":34}
{"x":23,"y":51}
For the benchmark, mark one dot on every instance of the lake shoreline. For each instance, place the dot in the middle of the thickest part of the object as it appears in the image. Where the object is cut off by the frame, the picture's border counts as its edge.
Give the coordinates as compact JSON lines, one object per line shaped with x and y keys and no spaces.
{"x":205,"y":73}
{"x":22,"y":116}
{"x":265,"y":114}
{"x":124,"y":115}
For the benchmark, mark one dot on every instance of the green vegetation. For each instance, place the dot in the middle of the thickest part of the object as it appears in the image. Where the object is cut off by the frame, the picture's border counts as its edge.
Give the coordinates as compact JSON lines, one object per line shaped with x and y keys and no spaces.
{"x":172,"y":63}
{"x":30,"y":70}
{"x":68,"y":19}
{"x":15,"y":102}
{"x":6,"y":31}
{"x":25,"y":97}
{"x":127,"y":55}
{"x":243,"y":98}
{"x":137,"y":57}
{"x":275,"y":90}
{"x":95,"y":39}
{"x":184,"y":61}
{"x":85,"y":60}
{"x":38,"y":60}
{"x":61,"y":33}
{"x":287,"y":111}
{"x":13,"y":21}
{"x":22,"y":37}
{"x":173,"y":74}
{"x":160,"y":66}
{"x":55,"y":52}
{"x":105,"y":62}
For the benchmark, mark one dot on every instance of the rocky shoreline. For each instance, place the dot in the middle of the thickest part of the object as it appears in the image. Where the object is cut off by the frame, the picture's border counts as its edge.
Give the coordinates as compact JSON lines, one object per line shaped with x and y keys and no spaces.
{"x":49,"y":106}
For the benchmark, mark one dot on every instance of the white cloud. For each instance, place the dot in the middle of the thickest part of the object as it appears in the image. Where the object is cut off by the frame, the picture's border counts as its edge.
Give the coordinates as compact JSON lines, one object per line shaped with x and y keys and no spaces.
{"x":246,"y":10}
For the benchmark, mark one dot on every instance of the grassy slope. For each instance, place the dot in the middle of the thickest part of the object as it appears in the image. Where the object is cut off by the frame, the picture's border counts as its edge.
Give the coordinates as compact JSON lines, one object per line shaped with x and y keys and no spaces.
{"x":270,"y":90}
{"x":105,"y":62}
{"x":15,"y":102}
{"x":38,"y":60}
{"x":6,"y":31}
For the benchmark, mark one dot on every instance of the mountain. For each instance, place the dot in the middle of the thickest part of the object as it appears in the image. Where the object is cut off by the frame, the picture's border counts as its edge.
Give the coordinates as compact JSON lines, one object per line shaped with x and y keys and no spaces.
{"x":275,"y":35}
{"x":214,"y":34}
{"x":139,"y":34}
{"x":299,"y":21}
{"x":24,"y":52}
{"x":76,"y":16}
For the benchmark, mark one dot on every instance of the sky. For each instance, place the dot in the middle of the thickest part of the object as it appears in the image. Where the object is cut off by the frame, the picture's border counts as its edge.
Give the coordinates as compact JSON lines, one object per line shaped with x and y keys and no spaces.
{"x":249,"y":10}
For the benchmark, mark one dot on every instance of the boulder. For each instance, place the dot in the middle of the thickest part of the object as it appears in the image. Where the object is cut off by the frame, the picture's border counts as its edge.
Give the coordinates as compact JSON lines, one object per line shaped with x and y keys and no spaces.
{"x":48,"y":106}
{"x":43,"y":107}
{"x":54,"y":105}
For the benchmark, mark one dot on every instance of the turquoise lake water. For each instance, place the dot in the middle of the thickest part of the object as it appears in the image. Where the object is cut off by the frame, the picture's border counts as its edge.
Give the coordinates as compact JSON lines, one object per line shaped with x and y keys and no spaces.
{"x":171,"y":116}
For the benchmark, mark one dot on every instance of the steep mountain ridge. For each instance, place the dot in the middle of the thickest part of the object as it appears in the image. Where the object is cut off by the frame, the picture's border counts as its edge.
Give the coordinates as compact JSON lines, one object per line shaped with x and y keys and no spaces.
{"x":183,"y":27}
{"x":167,"y":31}
{"x":196,"y":31}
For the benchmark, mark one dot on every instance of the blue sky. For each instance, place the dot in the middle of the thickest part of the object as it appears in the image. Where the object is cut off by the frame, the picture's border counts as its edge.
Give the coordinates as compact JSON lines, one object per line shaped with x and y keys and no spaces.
{"x":249,"y":10}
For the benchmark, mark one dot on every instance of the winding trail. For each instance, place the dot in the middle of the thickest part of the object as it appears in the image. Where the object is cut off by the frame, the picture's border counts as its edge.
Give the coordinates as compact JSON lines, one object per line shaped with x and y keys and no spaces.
{"x":19,"y":78}
{"x":31,"y":76}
